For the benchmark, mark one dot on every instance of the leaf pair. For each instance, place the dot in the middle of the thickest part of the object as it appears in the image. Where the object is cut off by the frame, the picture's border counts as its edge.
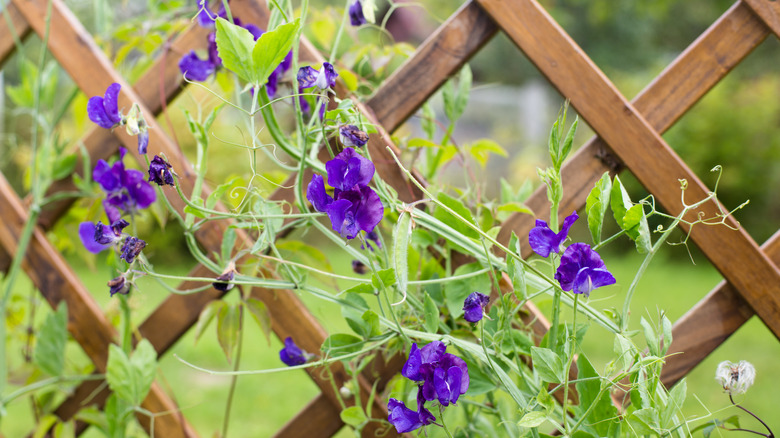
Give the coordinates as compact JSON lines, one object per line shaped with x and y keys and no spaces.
{"x":253,"y":61}
{"x":630,"y":217}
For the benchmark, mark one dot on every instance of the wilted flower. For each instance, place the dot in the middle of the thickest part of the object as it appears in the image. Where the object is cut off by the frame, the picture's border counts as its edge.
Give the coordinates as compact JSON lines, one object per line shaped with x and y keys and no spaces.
{"x":582,"y":270}
{"x":160,"y":171}
{"x":105,"y":110}
{"x":323,"y":78}
{"x":119,"y":285}
{"x":131,"y":248}
{"x":227,"y":275}
{"x":474,"y":306}
{"x":291,"y":354}
{"x":735,"y":378}
{"x":356,"y":17}
{"x":351,"y":136}
{"x":543,"y":240}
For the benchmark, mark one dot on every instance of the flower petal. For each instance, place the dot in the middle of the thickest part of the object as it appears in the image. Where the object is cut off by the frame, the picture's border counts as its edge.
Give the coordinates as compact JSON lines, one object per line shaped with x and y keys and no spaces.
{"x":111,"y":103}
{"x":97,"y":113}
{"x":317,"y":195}
{"x":542,"y":239}
{"x":87,"y":235}
{"x":403,"y":418}
{"x":370,"y":211}
{"x":196,"y":69}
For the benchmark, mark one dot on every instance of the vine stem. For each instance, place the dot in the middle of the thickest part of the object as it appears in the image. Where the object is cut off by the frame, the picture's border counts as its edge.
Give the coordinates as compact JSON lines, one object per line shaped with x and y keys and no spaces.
{"x":770,"y":435}
{"x":234,"y":377}
{"x":443,"y":424}
{"x":569,"y":359}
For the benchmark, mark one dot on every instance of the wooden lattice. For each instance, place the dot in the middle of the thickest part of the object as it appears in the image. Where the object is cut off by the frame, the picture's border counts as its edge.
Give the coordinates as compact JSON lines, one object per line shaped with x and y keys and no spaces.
{"x":628,"y":137}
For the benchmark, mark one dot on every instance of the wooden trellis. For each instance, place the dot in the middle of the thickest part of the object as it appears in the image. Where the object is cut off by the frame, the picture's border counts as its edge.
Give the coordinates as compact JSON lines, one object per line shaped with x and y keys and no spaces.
{"x":628,"y":137}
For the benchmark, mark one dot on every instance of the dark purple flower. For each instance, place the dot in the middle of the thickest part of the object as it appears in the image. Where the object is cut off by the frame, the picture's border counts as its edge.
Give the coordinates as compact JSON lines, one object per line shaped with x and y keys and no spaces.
{"x":126,"y":189}
{"x":105,"y":110}
{"x":359,"y":267}
{"x":355,"y":206}
{"x":422,"y":366}
{"x":543,"y":240}
{"x":87,"y":235}
{"x":108,"y":235}
{"x":582,"y":270}
{"x":356,"y":17}
{"x":160,"y":172}
{"x":349,"y":169}
{"x":131,"y":248}
{"x":351,"y":136}
{"x":403,"y":418}
{"x":291,"y":354}
{"x":323,"y":78}
{"x":119,"y":285}
{"x":227,"y":275}
{"x":473,"y":306}
{"x":143,"y":140}
{"x":196,"y":69}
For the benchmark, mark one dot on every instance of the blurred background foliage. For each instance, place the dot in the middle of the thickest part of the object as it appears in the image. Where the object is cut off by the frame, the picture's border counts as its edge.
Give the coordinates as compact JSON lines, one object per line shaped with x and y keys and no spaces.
{"x":737,"y":125}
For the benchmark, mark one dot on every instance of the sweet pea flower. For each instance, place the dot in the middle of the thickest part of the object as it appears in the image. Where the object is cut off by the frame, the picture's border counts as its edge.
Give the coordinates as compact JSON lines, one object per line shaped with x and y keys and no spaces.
{"x":131,"y":248}
{"x":474,"y":306}
{"x":291,"y":354}
{"x":405,"y":419}
{"x":126,"y":189}
{"x":352,"y":136}
{"x":356,"y":17}
{"x":355,"y":206}
{"x":119,"y":285}
{"x":104,"y":111}
{"x":446,"y":384}
{"x":160,"y":172}
{"x":543,"y":240}
{"x":97,"y":237}
{"x":323,"y":78}
{"x":582,"y":270}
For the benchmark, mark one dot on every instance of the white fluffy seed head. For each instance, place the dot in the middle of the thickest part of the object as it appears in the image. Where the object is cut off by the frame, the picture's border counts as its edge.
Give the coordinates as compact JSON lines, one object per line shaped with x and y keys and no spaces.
{"x":735,"y":378}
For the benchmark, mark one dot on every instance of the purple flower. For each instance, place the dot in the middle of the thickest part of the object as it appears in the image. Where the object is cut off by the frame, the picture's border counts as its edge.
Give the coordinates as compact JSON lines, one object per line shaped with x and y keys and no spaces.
{"x":196,"y":69}
{"x":227,"y":275}
{"x":446,"y":384}
{"x":160,"y":172}
{"x":131,"y":248}
{"x":474,"y":305}
{"x":351,"y":136}
{"x":405,"y":419}
{"x":119,"y":285}
{"x":206,"y":17}
{"x":322,"y":79}
{"x":582,"y":270}
{"x":356,"y":17}
{"x":87,"y":234}
{"x":291,"y":354}
{"x":105,"y":110}
{"x":543,"y":240}
{"x":126,"y":189}
{"x":97,"y":237}
{"x":355,"y":206}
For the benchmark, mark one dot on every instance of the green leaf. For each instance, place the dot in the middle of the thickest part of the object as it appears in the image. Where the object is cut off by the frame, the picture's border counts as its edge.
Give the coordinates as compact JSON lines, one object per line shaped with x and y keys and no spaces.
{"x":371,"y":321}
{"x":402,"y":236}
{"x":431,"y":315}
{"x":235,"y":46}
{"x":456,"y":291}
{"x":144,"y":363}
{"x":482,"y":148}
{"x":341,"y":343}
{"x":64,"y":167}
{"x":630,"y":217}
{"x":600,"y":407}
{"x":195,"y":211}
{"x":428,"y":121}
{"x":515,"y":207}
{"x":362,"y":288}
{"x":567,"y":142}
{"x":120,"y":375}
{"x":624,"y":350}
{"x":667,"y":329}
{"x":206,"y":316}
{"x":547,"y":364}
{"x":261,"y":315}
{"x":422,"y":143}
{"x":449,"y":219}
{"x":674,"y":403}
{"x":384,"y":277}
{"x":619,"y":201}
{"x":596,"y":206}
{"x":650,"y":336}
{"x":533,"y":419}
{"x":516,"y":269}
{"x":228,"y":325}
{"x":228,"y":241}
{"x":353,"y":416}
{"x":455,"y":101}
{"x":220,"y":191}
{"x":50,"y":343}
{"x":270,"y":49}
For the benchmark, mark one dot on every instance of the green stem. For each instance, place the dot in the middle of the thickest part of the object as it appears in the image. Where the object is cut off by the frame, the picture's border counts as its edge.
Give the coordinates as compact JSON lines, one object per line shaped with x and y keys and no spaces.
{"x":552,"y":334}
{"x":47,"y":382}
{"x":234,"y":377}
{"x":569,"y":359}
{"x":127,"y":332}
{"x":443,"y":424}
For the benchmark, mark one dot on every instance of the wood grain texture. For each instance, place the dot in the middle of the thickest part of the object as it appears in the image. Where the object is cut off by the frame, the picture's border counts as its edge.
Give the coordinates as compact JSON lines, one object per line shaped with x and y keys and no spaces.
{"x":686,"y":80}
{"x":434,"y":61}
{"x":641,"y":148}
{"x":50,"y":274}
{"x":768,"y":11}
{"x":709,"y":323}
{"x":13,"y":26}
{"x":318,"y":419}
